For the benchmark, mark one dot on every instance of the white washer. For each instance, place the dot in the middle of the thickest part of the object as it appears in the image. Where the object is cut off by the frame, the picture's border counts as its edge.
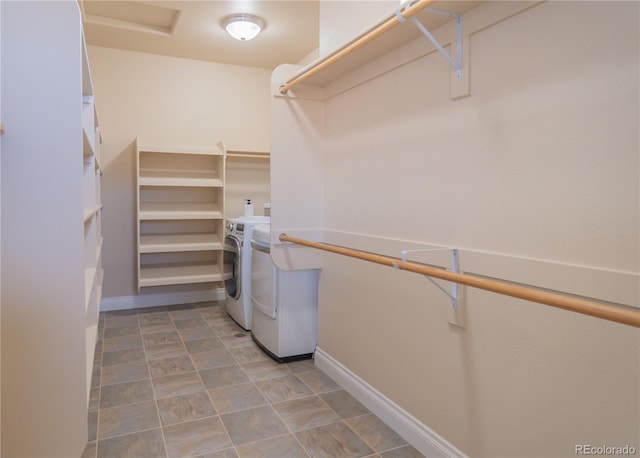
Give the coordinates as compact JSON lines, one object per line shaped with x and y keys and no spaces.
{"x":285,"y":304}
{"x":237,"y":267}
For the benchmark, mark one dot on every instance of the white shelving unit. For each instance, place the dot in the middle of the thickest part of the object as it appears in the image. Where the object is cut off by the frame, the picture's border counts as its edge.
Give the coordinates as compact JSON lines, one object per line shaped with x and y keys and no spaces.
{"x":180,"y":215}
{"x":51,"y":236}
{"x":91,"y":185}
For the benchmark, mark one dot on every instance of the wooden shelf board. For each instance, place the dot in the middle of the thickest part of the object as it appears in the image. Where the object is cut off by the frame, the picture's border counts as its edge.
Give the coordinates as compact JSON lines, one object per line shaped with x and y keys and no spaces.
{"x":194,"y":151}
{"x":178,"y":274}
{"x":159,"y":211}
{"x":163,"y":243}
{"x":184,"y":180}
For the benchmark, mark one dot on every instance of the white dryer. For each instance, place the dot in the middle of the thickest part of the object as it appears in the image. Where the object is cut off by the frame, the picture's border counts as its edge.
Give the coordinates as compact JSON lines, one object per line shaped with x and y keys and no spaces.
{"x":285,"y":304}
{"x":237,"y":267}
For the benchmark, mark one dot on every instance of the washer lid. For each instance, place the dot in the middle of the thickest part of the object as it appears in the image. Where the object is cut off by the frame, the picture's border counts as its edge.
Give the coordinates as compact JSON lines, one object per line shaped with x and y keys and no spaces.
{"x":262,"y":234}
{"x":253,"y":220}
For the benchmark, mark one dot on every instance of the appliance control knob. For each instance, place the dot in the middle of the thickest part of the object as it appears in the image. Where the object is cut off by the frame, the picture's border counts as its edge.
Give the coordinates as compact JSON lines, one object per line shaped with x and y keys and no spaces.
{"x":230,"y":227}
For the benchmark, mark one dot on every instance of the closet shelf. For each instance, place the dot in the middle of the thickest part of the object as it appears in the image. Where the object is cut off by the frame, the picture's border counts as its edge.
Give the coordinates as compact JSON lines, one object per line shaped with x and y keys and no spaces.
{"x":187,"y":151}
{"x":161,"y":275}
{"x":180,"y":213}
{"x":179,"y":179}
{"x":247,"y":155}
{"x":174,"y":211}
{"x":382,"y":38}
{"x":91,"y":212}
{"x":165,"y":243}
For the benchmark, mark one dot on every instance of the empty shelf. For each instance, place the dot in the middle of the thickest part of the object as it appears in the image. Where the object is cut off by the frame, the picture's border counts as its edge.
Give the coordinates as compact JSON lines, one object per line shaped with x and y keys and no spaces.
{"x":178,"y":274}
{"x":164,"y":243}
{"x":182,"y":178}
{"x":157,"y":211}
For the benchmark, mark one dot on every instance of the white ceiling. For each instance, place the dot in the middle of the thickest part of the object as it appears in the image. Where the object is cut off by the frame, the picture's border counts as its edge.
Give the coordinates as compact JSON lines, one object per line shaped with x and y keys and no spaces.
{"x":192,"y":29}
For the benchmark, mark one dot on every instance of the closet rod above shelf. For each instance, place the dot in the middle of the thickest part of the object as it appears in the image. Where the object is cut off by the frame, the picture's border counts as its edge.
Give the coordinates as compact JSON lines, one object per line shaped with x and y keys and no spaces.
{"x":240,"y":154}
{"x":374,"y":33}
{"x":618,"y":314}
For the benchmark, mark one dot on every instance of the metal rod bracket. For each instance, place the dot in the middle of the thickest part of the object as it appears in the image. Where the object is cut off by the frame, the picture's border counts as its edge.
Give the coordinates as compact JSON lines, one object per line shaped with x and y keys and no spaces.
{"x":456,"y":63}
{"x":454,"y":268}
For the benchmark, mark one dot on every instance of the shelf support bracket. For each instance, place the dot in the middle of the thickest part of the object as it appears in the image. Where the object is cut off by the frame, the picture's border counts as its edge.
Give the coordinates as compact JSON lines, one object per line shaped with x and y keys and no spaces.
{"x":454,"y":268}
{"x":456,"y":63}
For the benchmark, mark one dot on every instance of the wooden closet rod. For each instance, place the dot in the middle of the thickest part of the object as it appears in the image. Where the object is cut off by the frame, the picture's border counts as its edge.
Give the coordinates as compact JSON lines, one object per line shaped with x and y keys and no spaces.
{"x":619,"y":314}
{"x":380,"y":29}
{"x":248,"y":155}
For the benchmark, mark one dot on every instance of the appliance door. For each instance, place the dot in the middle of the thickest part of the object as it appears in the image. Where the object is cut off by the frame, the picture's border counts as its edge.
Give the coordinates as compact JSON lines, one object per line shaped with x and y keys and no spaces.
{"x":231,"y":266}
{"x":263,"y":281}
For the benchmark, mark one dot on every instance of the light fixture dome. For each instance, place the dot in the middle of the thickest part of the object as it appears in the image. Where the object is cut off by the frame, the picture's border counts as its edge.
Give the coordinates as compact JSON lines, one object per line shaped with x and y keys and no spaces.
{"x":243,"y":27}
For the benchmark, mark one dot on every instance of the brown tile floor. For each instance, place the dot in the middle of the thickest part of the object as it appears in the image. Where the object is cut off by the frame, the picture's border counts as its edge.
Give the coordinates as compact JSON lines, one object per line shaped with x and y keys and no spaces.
{"x":187,"y":381}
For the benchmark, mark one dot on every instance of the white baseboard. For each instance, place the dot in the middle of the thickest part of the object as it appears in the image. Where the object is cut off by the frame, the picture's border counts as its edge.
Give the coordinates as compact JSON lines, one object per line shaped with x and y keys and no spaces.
{"x":426,"y":441}
{"x":109,"y":304}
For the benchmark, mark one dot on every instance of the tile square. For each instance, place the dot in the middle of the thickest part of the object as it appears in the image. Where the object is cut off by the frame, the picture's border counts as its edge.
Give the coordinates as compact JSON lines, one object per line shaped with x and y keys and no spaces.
{"x":236,"y":397}
{"x":251,"y":425}
{"x":302,"y":366}
{"x":248,"y":354}
{"x":93,"y":425}
{"x":157,"y":326}
{"x":212,"y":359}
{"x":344,"y":404}
{"x":94,"y":398}
{"x":241,"y":339}
{"x":402,"y":452}
{"x":153,"y":317}
{"x":223,"y":376}
{"x":305,"y":413}
{"x":121,"y":331}
{"x":318,"y":381}
{"x":333,"y":440}
{"x":190,"y":323}
{"x":226,"y":453}
{"x":195,"y":438}
{"x":158,"y":338}
{"x":90,"y":451}
{"x":177,"y":385}
{"x":283,"y":388}
{"x":120,"y":373}
{"x":115,"y":321}
{"x":146,"y":443}
{"x":184,"y":313}
{"x":260,"y":370}
{"x":202,"y":332}
{"x":170,"y":366}
{"x":376,"y":433}
{"x":130,"y":355}
{"x":185,"y":408}
{"x":122,"y":343}
{"x":202,"y":345}
{"x":125,"y":393}
{"x":219,"y":320}
{"x":277,"y":447}
{"x":215,"y":311}
{"x":169,"y":350}
{"x":126,"y":419}
{"x":226,"y":328}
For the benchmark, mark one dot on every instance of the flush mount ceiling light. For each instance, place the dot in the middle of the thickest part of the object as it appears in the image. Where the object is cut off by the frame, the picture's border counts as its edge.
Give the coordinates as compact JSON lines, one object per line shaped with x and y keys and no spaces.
{"x":243,"y":27}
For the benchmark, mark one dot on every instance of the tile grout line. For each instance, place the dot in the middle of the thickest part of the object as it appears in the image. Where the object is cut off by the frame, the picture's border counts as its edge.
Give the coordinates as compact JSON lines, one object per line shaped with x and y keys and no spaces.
{"x":153,"y":390}
{"x":207,"y":391}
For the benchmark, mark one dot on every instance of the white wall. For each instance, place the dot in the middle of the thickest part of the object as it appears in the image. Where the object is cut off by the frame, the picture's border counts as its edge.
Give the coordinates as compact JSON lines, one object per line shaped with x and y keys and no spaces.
{"x":246,"y":178}
{"x":535,"y":178}
{"x":0,"y":235}
{"x":170,"y":102}
{"x":341,"y":22}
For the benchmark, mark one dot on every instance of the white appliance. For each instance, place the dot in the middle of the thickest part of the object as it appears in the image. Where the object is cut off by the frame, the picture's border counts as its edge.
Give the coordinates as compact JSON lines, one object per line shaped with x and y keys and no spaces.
{"x":237,"y":267}
{"x":285,"y":304}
